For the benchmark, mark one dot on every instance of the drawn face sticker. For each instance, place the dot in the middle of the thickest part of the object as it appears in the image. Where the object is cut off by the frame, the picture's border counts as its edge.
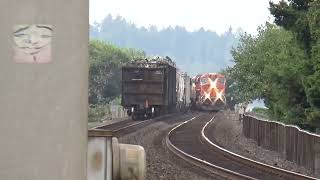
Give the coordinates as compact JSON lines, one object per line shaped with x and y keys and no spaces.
{"x":32,"y":38}
{"x":32,"y":43}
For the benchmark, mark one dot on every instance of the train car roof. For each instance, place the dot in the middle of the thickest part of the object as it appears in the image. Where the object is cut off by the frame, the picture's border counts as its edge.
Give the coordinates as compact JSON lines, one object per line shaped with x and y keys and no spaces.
{"x":151,"y":62}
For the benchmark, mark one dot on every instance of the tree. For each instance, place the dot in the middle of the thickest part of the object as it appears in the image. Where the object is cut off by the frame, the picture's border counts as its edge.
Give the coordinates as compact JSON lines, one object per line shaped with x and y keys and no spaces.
{"x":302,"y":17}
{"x":233,"y":94}
{"x":195,"y":52}
{"x":293,"y":17}
{"x":269,"y":67}
{"x":105,"y":70}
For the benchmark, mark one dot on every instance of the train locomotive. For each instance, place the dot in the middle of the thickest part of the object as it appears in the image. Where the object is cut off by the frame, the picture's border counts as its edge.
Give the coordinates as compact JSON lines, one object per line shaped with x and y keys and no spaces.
{"x":154,"y":86}
{"x":210,"y":91}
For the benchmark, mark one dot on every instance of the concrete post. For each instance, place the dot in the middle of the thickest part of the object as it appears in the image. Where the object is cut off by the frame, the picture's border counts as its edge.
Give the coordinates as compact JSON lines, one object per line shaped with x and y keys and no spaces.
{"x":43,"y":94}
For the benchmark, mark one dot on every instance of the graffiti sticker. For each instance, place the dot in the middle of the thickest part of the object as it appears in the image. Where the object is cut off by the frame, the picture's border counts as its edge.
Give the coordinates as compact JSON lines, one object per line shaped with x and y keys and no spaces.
{"x":32,"y":43}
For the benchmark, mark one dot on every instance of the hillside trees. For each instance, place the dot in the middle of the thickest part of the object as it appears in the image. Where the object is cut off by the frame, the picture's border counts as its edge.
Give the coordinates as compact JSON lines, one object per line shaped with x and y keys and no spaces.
{"x":105,"y":70}
{"x":195,"y":52}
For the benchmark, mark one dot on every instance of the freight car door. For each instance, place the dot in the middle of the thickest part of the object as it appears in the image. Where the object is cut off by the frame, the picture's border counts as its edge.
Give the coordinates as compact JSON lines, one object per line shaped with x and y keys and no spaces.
{"x":141,"y":84}
{"x":156,"y":86}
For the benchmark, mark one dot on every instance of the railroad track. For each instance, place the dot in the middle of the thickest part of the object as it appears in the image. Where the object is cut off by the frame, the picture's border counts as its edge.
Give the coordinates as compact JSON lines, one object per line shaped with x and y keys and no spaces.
{"x":188,"y":140}
{"x":128,"y":126}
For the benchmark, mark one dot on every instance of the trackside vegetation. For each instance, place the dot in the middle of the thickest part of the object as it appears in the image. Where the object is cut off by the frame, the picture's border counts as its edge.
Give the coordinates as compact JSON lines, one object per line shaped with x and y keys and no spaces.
{"x":282,"y":63}
{"x":105,"y":61}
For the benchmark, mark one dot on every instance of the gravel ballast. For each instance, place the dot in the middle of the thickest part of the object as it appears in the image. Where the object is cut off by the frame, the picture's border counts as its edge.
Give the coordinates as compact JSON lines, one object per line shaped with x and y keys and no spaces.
{"x":161,"y":163}
{"x":226,"y":130}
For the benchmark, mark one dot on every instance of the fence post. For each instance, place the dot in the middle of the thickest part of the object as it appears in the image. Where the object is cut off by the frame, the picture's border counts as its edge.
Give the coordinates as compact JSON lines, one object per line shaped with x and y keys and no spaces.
{"x":283,"y":129}
{"x":244,"y":126}
{"x":317,"y":156}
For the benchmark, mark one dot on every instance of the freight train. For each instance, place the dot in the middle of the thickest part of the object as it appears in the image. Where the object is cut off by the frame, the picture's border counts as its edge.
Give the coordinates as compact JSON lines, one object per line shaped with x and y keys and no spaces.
{"x":154,"y":86}
{"x":210,"y":91}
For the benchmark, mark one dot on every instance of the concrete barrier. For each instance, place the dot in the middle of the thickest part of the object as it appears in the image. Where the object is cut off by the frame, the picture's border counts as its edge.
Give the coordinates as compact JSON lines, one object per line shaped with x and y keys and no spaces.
{"x":44,"y":89}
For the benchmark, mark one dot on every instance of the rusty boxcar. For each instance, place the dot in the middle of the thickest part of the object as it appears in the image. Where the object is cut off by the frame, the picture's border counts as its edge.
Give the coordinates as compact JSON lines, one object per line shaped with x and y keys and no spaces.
{"x":149,"y":87}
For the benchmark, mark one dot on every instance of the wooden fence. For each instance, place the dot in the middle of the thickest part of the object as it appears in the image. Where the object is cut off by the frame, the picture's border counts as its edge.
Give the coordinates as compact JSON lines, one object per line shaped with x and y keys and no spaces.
{"x":294,"y":144}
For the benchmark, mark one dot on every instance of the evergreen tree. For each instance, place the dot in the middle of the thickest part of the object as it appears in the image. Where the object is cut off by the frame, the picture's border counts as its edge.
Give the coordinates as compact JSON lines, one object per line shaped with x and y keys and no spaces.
{"x":195,"y":52}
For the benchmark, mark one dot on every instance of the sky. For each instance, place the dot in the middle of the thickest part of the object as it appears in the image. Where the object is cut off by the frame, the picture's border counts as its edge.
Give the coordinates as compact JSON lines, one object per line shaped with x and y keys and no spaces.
{"x":214,"y":15}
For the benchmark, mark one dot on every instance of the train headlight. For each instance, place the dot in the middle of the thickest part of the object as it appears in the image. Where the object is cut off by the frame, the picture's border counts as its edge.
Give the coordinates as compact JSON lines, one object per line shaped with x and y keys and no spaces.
{"x":108,"y":159}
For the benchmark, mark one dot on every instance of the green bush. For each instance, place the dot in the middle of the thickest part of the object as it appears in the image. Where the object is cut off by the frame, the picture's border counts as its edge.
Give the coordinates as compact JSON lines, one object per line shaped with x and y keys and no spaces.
{"x":260,"y":111}
{"x":97,"y":113}
{"x":105,"y":63}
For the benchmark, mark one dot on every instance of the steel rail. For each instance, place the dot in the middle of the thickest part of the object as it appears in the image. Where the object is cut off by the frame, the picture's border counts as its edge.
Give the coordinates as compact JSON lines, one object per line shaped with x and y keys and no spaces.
{"x":217,"y":170}
{"x":118,"y":131}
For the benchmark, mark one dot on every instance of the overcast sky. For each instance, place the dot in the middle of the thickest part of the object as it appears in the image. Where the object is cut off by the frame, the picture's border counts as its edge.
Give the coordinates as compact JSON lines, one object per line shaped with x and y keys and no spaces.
{"x":214,"y":15}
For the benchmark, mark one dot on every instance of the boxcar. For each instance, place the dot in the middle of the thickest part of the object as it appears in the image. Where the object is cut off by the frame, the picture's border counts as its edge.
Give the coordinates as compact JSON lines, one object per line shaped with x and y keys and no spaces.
{"x":148,"y":89}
